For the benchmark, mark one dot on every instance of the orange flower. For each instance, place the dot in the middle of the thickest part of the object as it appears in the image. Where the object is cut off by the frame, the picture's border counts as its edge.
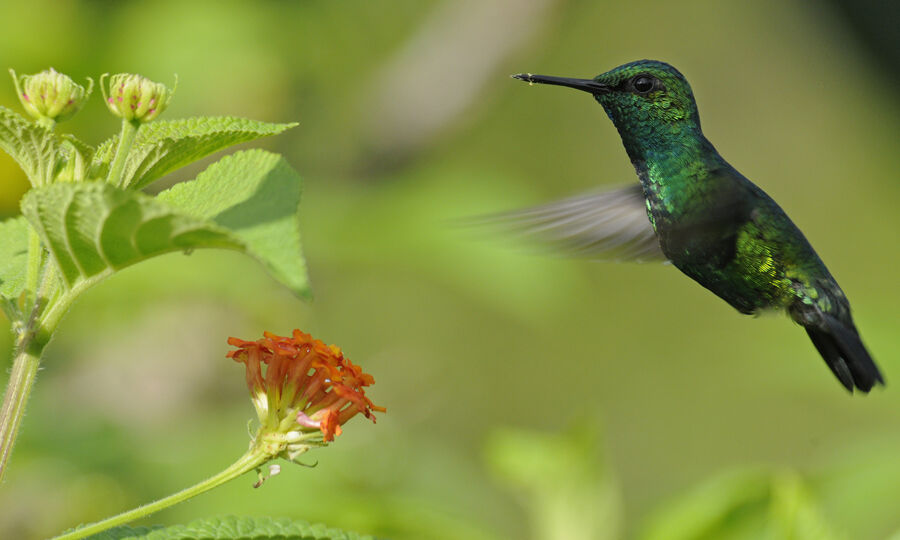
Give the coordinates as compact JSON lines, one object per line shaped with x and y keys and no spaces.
{"x":306,"y":392}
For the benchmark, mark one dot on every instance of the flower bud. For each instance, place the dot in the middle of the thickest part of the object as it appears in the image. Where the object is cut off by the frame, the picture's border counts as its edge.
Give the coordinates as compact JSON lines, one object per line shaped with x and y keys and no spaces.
{"x":133,"y":97}
{"x":50,"y":95}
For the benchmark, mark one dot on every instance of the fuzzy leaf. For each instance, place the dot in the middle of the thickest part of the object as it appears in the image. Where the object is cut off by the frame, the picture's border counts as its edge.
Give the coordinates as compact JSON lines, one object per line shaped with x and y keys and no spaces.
{"x":93,"y":229}
{"x":30,"y":145}
{"x":231,"y":527}
{"x":13,"y":261}
{"x":165,"y":145}
{"x":256,"y":195}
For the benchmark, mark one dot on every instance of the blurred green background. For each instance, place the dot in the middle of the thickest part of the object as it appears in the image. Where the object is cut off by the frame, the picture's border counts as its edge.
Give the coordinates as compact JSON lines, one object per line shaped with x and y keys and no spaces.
{"x":527,"y":397}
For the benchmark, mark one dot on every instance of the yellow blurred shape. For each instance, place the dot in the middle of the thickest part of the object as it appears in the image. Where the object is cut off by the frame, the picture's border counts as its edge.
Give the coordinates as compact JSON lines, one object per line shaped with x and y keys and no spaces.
{"x":13,"y":185}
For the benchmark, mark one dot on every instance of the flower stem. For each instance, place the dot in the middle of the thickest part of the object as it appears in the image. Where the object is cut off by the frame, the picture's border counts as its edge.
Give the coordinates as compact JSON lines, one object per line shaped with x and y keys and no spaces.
{"x":32,"y":269}
{"x":249,"y":461}
{"x":47,"y":123}
{"x":48,"y":308}
{"x":126,"y":139}
{"x":28,"y":353}
{"x":24,"y":371}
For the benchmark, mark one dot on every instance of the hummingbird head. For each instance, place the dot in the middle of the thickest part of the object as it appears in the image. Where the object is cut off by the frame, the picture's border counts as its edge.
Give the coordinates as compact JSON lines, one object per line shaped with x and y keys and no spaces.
{"x":650,"y":102}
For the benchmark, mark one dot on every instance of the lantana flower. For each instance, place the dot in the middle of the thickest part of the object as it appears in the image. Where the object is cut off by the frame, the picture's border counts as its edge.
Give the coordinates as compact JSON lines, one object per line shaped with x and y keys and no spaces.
{"x":304,"y":394}
{"x":303,"y":391}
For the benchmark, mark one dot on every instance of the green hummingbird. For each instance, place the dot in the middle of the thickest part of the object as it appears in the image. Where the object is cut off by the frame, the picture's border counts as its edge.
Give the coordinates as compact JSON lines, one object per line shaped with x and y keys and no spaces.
{"x":694,"y":209}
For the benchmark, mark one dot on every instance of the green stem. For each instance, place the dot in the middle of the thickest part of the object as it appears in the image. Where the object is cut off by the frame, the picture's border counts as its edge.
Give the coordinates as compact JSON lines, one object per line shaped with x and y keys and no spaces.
{"x":47,"y":123}
{"x":126,"y":139}
{"x":47,"y":294}
{"x":28,"y":354}
{"x":24,"y":371}
{"x":59,"y":304}
{"x":33,"y":269}
{"x":30,"y":345}
{"x":249,"y":461}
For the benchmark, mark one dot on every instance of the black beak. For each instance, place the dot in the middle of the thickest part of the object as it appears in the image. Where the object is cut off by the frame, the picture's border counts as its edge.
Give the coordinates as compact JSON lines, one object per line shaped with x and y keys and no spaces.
{"x":587,"y":85}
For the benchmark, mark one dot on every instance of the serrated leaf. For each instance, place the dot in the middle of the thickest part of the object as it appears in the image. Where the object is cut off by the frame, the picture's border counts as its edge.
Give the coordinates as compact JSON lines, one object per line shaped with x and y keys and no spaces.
{"x":163,"y":146}
{"x":33,"y":147}
{"x":13,"y":261}
{"x":248,"y":202}
{"x":231,"y":527}
{"x":256,"y":195}
{"x":93,"y":229}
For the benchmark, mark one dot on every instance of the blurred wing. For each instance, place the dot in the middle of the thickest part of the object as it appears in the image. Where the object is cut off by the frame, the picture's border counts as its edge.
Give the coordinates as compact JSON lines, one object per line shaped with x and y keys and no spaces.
{"x":607,"y":225}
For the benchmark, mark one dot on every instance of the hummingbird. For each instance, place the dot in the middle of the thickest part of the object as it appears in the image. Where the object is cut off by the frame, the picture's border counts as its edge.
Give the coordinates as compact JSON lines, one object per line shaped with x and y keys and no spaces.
{"x":694,"y":209}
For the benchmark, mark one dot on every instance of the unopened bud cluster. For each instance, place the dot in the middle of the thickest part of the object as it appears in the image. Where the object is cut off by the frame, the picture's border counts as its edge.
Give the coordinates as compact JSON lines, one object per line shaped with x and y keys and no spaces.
{"x":134,"y":97}
{"x":50,"y":95}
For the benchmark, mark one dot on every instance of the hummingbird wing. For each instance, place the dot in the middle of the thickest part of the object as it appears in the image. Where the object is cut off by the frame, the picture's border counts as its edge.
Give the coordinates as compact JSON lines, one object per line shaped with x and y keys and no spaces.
{"x":605,"y":225}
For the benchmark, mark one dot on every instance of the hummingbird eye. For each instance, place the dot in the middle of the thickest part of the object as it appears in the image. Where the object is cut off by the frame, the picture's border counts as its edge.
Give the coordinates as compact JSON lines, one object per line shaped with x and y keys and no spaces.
{"x":642,"y":84}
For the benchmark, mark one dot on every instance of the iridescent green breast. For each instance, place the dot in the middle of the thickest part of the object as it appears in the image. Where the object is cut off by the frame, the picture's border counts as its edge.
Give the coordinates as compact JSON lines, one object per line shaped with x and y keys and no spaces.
{"x":744,"y":248}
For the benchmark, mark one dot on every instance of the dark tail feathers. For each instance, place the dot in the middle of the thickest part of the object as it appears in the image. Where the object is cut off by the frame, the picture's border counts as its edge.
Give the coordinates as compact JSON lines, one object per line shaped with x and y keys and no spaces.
{"x":845,"y":354}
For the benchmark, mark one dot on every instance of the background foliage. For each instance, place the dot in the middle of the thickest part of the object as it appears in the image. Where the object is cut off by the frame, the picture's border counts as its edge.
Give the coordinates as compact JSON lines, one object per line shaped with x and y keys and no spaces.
{"x":691,"y":419}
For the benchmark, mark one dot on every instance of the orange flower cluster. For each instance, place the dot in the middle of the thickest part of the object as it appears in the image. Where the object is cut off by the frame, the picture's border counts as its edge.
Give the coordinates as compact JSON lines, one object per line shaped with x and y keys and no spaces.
{"x":306,"y":384}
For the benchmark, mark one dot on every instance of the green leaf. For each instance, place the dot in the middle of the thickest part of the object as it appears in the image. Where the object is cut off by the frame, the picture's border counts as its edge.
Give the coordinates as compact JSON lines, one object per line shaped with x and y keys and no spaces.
{"x":247,"y":202}
{"x":93,"y":229}
{"x":744,"y":504}
{"x":13,"y":262}
{"x":794,"y":511}
{"x":561,"y":478}
{"x":231,"y":527}
{"x":256,"y":195}
{"x":165,"y":145}
{"x":33,"y":147}
{"x":716,"y":508}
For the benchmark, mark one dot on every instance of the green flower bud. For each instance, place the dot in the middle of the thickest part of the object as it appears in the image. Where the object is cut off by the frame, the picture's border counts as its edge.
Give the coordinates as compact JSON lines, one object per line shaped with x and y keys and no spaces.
{"x":50,"y":96}
{"x":134,"y":97}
